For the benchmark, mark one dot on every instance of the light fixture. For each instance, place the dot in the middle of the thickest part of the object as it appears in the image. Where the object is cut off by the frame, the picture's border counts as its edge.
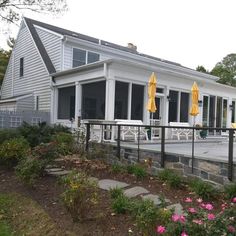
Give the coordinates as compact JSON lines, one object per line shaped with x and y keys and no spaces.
{"x":200,"y":103}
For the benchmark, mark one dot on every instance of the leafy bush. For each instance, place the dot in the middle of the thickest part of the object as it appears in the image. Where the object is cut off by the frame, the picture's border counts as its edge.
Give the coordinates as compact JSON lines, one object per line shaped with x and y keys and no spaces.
{"x":230,"y":190}
{"x":137,"y":170}
{"x":12,"y":151}
{"x":145,"y":215}
{"x":80,"y":195}
{"x":115,"y":192}
{"x":121,"y":204}
{"x":203,"y":189}
{"x":6,"y":134}
{"x":199,"y":221}
{"x":30,"y":169}
{"x":45,"y":151}
{"x":65,"y":143}
{"x":173,"y":179}
{"x":116,"y":168}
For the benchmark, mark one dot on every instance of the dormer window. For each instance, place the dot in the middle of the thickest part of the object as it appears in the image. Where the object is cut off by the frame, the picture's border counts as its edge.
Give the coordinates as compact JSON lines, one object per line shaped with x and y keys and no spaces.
{"x":21,"y":66}
{"x":83,"y":57}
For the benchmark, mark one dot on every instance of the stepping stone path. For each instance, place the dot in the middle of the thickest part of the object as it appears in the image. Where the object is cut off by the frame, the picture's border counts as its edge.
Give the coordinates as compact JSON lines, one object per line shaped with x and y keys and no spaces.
{"x":135,"y":191}
{"x":107,"y":184}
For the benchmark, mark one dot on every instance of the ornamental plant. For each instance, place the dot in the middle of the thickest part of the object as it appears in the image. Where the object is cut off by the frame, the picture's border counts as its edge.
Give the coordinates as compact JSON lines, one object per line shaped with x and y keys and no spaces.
{"x":81,"y":194}
{"x":202,"y":220}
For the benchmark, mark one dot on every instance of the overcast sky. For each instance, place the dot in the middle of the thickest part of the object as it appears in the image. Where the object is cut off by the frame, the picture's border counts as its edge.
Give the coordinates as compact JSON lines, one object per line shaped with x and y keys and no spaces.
{"x":190,"y":32}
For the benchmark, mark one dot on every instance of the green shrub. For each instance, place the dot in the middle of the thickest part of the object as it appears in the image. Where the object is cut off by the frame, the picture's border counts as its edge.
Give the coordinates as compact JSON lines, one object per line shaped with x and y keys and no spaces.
{"x":65,"y":143}
{"x":30,"y":169}
{"x":230,"y":190}
{"x":6,"y":134}
{"x":203,"y":189}
{"x":145,"y":215}
{"x":80,"y":195}
{"x":12,"y":151}
{"x":121,"y":204}
{"x":173,"y":179}
{"x":45,"y":151}
{"x":115,"y":192}
{"x":116,"y":168}
{"x":137,"y":170}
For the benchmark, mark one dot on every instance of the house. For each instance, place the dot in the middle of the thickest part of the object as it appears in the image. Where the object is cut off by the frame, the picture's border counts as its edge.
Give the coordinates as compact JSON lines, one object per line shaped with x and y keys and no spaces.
{"x":74,"y":75}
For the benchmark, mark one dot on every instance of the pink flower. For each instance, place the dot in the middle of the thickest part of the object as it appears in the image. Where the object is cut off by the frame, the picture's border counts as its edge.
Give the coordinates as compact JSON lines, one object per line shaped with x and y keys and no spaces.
{"x":234,"y":200}
{"x":192,"y":210}
{"x":161,"y":229}
{"x":209,"y":206}
{"x":231,"y":229}
{"x":211,"y":216}
{"x":175,"y":217}
{"x":182,"y":219}
{"x":199,"y":222}
{"x":202,"y":205}
{"x":199,"y":200}
{"x":188,"y":199}
{"x":184,"y":234}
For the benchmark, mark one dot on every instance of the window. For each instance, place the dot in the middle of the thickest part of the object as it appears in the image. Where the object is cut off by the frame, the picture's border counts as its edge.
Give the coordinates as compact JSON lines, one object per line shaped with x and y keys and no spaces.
{"x":184,"y":104}
{"x":66,"y":103}
{"x":37,"y":103}
{"x":137,"y":102}
{"x":121,"y":100}
{"x":83,"y":57}
{"x":173,"y":106}
{"x":21,"y":66}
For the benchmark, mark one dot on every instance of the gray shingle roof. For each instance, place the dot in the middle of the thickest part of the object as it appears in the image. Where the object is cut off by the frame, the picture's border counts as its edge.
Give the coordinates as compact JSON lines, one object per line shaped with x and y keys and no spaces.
{"x":66,"y":32}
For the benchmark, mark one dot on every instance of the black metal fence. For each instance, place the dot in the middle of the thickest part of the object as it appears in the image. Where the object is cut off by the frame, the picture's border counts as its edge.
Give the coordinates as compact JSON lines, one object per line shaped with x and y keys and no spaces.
{"x":113,"y":132}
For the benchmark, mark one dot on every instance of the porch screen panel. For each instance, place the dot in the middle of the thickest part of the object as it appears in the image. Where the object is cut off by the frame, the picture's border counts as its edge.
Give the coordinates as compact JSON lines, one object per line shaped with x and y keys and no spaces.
{"x":93,"y":100}
{"x":184,"y":107}
{"x":66,"y":103}
{"x":225,"y":105}
{"x":219,"y":112}
{"x":173,"y":106}
{"x":233,"y":112}
{"x":137,"y":102}
{"x":212,"y":111}
{"x":205,"y":111}
{"x":121,"y":100}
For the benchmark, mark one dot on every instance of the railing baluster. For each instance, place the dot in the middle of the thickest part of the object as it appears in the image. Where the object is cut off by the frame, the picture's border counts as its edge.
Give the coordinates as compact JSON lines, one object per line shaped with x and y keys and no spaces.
{"x":162,"y":147}
{"x":230,"y":155}
{"x":193,"y":134}
{"x":118,"y":142}
{"x":87,"y":136}
{"x":138,"y":143}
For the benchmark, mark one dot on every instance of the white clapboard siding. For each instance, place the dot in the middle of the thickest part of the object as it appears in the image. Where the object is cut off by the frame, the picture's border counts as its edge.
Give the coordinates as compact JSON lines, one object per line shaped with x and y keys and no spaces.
{"x":52,"y":44}
{"x":26,"y":103}
{"x":68,"y":56}
{"x":7,"y":81}
{"x":36,"y":78}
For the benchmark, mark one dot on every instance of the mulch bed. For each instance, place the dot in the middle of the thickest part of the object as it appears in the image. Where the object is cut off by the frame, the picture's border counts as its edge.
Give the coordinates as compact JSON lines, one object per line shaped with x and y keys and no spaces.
{"x":47,"y":193}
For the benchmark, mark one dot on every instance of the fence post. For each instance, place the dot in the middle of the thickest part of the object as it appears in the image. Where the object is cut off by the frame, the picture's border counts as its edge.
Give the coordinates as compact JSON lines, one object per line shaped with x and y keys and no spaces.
{"x":118,"y":142}
{"x":163,"y":147}
{"x":138,"y":144}
{"x":230,"y":154}
{"x":87,"y":136}
{"x":193,"y":134}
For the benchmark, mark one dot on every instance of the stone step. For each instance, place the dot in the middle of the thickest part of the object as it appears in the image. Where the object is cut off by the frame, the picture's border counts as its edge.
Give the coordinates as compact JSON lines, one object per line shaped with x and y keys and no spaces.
{"x":107,"y":184}
{"x":135,"y":191}
{"x":53,"y":169}
{"x":59,"y":173}
{"x":155,"y":198}
{"x":178,"y":209}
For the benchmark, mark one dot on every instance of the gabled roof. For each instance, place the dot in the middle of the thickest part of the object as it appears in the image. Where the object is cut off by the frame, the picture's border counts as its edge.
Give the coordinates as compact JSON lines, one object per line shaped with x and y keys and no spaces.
{"x":65,"y":32}
{"x":47,"y":61}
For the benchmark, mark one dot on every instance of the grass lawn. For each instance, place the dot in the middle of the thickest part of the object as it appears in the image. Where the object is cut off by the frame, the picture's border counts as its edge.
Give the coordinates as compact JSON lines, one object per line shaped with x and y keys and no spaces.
{"x":22,"y":216}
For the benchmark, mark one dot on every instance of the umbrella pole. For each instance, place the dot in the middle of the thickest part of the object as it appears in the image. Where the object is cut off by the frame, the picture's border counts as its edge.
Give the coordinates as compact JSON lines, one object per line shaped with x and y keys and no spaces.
{"x":193,"y":134}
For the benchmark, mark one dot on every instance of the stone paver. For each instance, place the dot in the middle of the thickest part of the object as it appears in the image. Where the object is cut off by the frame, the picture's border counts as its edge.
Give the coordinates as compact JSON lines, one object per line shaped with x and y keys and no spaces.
{"x":153,"y":197}
{"x":59,"y":173}
{"x":178,"y":209}
{"x":107,"y":184}
{"x":135,"y":191}
{"x":53,"y":169}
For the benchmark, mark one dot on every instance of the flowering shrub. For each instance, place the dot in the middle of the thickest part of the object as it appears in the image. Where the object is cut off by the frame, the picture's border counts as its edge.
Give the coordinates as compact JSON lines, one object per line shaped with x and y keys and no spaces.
{"x":80,"y":195}
{"x":202,"y":220}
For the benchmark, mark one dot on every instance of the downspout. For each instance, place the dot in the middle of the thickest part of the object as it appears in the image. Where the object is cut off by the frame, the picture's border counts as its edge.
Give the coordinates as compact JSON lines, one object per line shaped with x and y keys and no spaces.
{"x":13,"y":63}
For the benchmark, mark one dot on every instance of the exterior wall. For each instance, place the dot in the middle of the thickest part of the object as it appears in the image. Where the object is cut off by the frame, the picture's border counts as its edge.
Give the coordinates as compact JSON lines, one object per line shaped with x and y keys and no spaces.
{"x":9,"y":106}
{"x":52,"y":44}
{"x":25,"y":104}
{"x":35,"y":79}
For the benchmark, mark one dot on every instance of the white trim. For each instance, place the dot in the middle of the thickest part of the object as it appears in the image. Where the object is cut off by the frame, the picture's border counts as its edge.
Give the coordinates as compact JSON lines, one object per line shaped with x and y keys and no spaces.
{"x":15,"y":99}
{"x":49,"y":31}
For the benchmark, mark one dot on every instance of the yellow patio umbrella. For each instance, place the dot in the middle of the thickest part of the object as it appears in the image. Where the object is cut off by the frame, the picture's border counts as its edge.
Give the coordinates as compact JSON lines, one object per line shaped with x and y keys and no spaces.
{"x":194,"y":111}
{"x":151,"y":106}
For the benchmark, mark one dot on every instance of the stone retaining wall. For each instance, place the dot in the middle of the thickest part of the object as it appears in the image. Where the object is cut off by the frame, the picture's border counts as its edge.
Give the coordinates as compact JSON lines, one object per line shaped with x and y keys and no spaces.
{"x":210,"y":170}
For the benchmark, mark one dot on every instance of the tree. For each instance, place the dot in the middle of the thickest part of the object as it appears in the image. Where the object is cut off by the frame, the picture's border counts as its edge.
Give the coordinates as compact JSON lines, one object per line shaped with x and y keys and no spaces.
{"x":11,"y":10}
{"x":201,"y":69}
{"x":226,"y":70}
